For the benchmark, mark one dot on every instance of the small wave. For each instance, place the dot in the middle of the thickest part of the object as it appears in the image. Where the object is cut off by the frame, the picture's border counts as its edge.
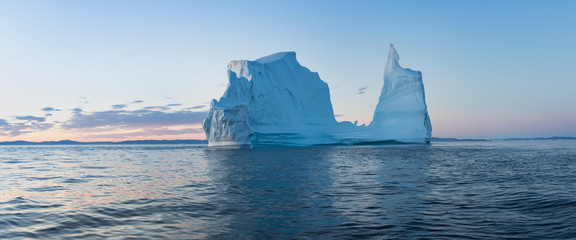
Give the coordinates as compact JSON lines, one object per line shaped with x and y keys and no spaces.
{"x":46,"y":189}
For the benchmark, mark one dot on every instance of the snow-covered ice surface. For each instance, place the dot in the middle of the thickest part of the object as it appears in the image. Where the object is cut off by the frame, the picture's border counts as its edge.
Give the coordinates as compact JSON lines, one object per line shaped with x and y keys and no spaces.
{"x":276,"y":101}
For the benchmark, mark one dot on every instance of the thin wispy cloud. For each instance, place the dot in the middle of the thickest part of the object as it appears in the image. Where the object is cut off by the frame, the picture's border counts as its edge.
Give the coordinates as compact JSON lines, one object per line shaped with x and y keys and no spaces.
{"x":83,"y":100}
{"x":3,"y":123}
{"x":49,"y":109}
{"x":198,"y":107}
{"x":22,"y":128}
{"x":159,"y":108}
{"x":133,"y":119}
{"x":119,"y":106}
{"x":77,"y":110}
{"x":24,"y":124}
{"x":112,"y":123}
{"x":362,"y":90}
{"x":148,"y":133}
{"x":31,"y":118}
{"x":125,"y":105}
{"x":19,"y":128}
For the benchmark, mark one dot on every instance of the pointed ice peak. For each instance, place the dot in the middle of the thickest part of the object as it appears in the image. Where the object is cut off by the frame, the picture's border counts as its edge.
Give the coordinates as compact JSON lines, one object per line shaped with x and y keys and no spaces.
{"x":275,"y":57}
{"x":392,"y":56}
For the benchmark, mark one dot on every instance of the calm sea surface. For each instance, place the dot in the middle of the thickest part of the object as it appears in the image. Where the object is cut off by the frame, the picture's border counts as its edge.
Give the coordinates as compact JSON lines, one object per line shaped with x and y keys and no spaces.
{"x":457,"y":190}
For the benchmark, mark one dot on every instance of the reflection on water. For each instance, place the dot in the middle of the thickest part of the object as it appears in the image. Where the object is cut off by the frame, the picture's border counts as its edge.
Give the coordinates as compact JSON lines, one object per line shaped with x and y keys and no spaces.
{"x":273,"y":193}
{"x":446,"y":190}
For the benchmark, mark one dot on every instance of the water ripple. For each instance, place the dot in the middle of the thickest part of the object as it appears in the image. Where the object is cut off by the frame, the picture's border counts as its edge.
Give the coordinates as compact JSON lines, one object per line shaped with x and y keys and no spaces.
{"x":492,"y":190}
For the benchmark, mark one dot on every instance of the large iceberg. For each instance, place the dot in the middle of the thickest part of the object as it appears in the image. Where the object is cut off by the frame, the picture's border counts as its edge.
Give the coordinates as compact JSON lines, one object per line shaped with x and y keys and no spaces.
{"x":276,"y":101}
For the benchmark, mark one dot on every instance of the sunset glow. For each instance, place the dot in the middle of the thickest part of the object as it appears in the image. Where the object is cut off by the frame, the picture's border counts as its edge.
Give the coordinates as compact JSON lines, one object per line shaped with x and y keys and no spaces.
{"x":127,"y":70}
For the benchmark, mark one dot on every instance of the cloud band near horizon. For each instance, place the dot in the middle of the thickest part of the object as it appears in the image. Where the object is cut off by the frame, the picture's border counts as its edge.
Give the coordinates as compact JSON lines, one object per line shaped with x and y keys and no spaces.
{"x":117,"y":122}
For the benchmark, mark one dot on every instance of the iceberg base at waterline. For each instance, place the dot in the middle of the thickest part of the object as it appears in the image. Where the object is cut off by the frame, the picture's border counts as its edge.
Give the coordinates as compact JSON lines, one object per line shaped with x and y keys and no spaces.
{"x":275,"y":101}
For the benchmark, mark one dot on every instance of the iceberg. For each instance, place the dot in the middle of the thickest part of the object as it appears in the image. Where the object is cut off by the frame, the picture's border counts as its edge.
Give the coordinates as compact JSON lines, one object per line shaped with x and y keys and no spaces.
{"x":275,"y":101}
{"x":401,"y":113}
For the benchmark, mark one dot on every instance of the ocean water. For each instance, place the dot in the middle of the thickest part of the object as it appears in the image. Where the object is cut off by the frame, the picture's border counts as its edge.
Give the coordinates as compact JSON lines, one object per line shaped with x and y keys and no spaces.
{"x":450,"y":190}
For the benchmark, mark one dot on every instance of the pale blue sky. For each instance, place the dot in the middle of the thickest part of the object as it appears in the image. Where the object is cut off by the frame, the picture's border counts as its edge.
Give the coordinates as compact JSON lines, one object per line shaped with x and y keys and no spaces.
{"x":491,"y":68}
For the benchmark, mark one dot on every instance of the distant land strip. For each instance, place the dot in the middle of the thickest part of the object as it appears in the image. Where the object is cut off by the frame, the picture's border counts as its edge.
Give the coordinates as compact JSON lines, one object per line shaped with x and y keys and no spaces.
{"x":70,"y":142}
{"x":436,"y":139}
{"x":193,"y":141}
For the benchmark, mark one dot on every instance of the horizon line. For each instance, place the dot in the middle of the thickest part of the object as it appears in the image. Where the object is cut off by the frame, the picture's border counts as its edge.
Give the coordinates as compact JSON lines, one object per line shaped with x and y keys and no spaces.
{"x":199,"y":141}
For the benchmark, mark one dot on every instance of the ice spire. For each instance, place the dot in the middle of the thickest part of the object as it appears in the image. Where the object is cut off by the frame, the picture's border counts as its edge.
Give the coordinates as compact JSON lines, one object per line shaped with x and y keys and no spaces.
{"x":401,"y":112}
{"x":393,"y":58}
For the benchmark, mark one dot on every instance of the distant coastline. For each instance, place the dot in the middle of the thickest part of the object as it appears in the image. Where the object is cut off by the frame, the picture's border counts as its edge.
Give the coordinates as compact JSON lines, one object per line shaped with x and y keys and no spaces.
{"x":194,"y":141}
{"x":436,"y":139}
{"x":538,"y":138}
{"x":139,"y":142}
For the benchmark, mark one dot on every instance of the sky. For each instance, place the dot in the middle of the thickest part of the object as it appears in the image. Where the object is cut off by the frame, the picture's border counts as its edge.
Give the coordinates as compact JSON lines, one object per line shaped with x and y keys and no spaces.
{"x":126,"y":70}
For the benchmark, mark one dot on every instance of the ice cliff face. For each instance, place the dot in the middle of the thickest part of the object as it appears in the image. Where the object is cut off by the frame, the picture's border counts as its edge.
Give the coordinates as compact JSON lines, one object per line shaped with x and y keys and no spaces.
{"x":270,"y":101}
{"x":276,"y":101}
